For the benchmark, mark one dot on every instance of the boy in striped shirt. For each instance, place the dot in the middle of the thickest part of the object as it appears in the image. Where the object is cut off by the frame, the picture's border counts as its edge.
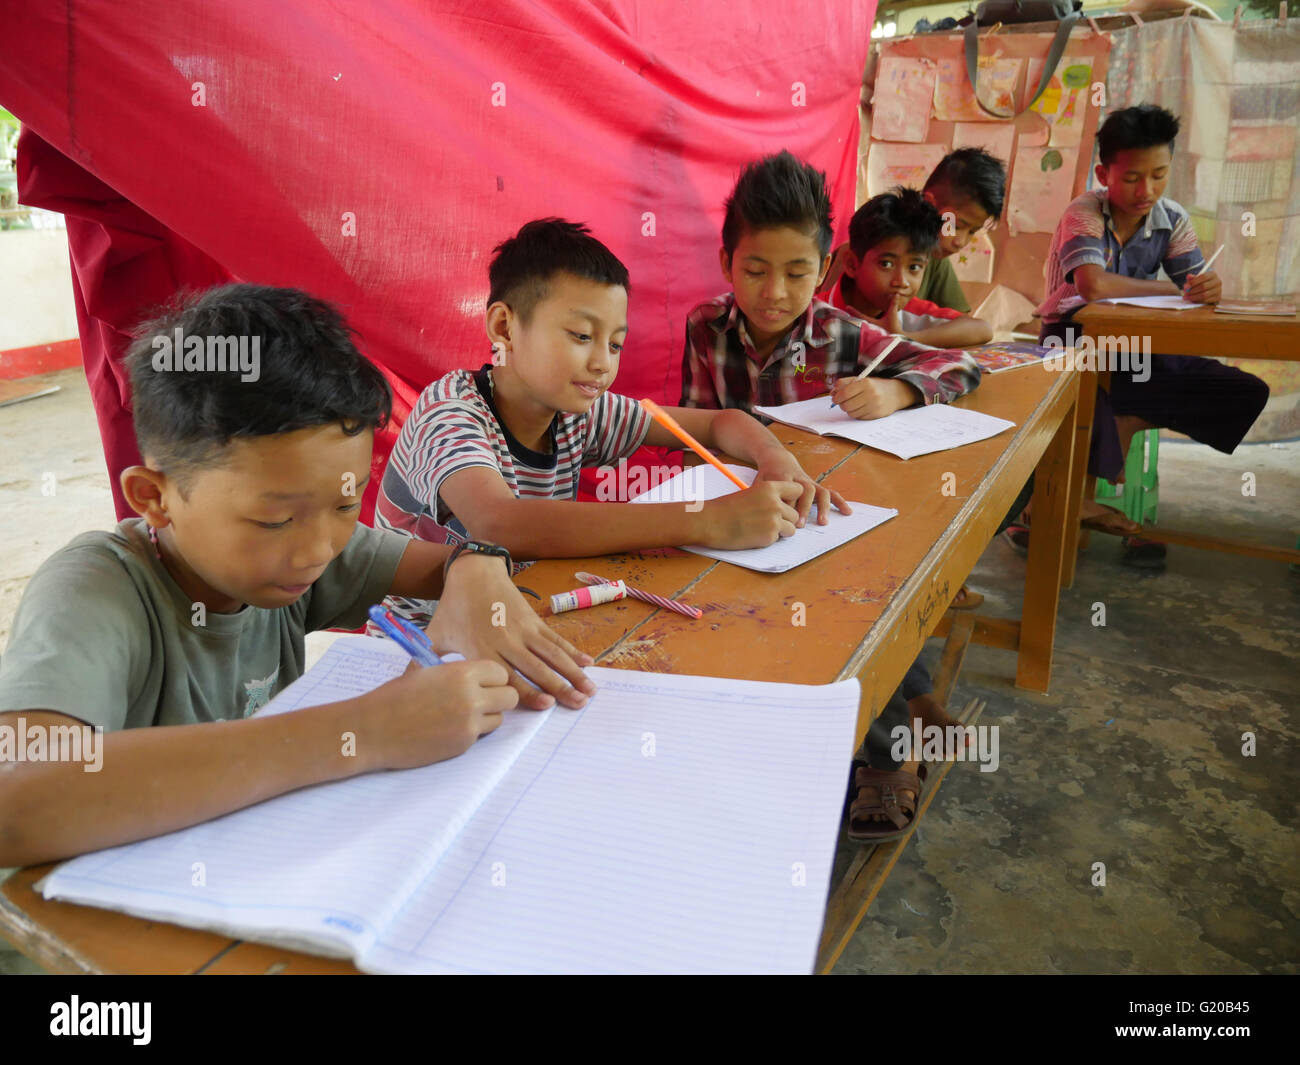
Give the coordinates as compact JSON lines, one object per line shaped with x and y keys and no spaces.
{"x":495,"y":454}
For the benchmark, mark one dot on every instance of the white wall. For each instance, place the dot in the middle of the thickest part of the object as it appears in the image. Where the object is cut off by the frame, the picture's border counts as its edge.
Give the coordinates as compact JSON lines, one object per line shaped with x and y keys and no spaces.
{"x":35,"y":288}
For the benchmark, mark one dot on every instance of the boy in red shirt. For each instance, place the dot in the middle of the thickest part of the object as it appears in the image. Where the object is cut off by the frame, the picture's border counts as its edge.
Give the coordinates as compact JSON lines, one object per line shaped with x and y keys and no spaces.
{"x":891,"y":239}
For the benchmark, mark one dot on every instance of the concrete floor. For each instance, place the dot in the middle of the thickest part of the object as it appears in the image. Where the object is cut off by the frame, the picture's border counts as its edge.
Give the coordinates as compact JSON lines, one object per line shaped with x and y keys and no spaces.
{"x":1134,"y":759}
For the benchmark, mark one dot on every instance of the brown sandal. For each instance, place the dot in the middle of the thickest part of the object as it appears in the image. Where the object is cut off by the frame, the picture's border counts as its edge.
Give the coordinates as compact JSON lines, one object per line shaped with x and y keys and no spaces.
{"x":972,"y":600}
{"x":1111,"y":521}
{"x":898,"y":793}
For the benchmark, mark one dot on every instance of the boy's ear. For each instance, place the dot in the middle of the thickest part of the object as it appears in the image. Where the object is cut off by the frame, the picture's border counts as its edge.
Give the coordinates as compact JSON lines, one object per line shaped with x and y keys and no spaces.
{"x":724,"y":261}
{"x":143,"y":489}
{"x":498,"y":323}
{"x":1100,"y":174}
{"x":851,"y":262}
{"x":826,"y":265}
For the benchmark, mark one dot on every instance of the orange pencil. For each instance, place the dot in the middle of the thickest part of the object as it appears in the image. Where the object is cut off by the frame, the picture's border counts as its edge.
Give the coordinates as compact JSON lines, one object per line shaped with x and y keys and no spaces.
{"x":670,"y":423}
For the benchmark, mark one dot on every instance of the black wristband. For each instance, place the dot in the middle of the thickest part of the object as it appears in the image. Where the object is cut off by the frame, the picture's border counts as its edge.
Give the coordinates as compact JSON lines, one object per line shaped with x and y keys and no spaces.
{"x":478,"y":547}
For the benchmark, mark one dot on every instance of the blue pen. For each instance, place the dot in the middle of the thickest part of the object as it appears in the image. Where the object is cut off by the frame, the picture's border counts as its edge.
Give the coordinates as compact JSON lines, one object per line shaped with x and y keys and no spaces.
{"x":406,"y":636}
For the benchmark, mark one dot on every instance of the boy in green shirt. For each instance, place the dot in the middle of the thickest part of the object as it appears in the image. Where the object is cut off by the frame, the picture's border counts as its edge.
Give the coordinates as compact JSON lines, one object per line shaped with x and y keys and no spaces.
{"x":967,"y":188}
{"x":170,"y":631}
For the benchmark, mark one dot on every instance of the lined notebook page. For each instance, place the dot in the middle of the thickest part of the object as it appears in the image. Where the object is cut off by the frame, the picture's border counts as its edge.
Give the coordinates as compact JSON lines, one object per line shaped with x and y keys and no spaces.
{"x":705,"y":482}
{"x":676,"y":824}
{"x":905,"y":433}
{"x":325,"y":867}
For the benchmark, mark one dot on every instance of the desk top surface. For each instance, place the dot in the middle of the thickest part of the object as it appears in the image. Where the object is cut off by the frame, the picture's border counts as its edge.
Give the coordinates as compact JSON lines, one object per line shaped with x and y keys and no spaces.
{"x":1202,"y":331}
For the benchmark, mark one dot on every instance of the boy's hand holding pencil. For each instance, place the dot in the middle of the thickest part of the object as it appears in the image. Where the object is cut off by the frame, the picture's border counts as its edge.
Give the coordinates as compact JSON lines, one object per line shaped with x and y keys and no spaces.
{"x":869,"y":397}
{"x":866,"y":397}
{"x":757,"y":517}
{"x":428,"y":715}
{"x":1204,"y":287}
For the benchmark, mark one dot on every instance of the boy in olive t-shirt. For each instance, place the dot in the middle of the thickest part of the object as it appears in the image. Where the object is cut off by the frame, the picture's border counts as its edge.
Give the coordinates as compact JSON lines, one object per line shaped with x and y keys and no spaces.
{"x":968,"y":189}
{"x":170,"y":631}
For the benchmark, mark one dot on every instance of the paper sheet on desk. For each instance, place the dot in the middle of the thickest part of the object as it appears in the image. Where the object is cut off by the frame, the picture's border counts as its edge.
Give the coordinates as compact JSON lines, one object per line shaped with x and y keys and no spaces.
{"x":1157,"y":303}
{"x":905,"y":433}
{"x":699,"y":483}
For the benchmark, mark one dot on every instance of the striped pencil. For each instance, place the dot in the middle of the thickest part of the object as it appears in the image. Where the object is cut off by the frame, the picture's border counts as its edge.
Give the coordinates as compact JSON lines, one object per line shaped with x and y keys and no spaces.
{"x":646,"y":597}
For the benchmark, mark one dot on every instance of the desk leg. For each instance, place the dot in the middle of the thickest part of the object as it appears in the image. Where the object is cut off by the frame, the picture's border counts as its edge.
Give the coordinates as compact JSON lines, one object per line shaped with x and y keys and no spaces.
{"x":1054,"y":488}
{"x":1081,"y":485}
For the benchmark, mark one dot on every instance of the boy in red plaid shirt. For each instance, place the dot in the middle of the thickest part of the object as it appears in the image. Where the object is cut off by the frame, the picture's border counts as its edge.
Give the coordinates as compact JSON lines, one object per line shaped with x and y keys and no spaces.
{"x":769,"y":341}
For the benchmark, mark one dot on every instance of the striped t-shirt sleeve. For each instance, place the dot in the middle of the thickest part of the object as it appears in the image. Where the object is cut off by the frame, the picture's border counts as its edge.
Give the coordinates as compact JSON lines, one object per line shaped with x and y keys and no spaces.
{"x":1081,"y":236}
{"x":617,"y":426}
{"x":1183,"y":255}
{"x":450,"y":436}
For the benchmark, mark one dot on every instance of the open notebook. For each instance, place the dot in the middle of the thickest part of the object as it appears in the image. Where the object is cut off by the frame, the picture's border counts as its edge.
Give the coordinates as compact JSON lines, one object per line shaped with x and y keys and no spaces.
{"x":675,"y":824}
{"x":1155,"y":303}
{"x":905,"y":433}
{"x":698,"y":483}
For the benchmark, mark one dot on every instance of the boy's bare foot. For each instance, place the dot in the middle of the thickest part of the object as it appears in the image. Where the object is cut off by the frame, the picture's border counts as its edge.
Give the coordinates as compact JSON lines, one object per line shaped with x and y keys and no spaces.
{"x":931,"y":712}
{"x":1102,"y":518}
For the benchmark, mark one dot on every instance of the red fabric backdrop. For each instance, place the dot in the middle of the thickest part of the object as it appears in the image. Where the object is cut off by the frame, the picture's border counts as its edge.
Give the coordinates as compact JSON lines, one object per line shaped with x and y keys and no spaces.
{"x":439,"y":127}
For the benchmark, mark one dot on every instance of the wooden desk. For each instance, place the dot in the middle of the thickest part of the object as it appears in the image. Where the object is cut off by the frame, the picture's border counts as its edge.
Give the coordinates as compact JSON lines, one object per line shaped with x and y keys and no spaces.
{"x":867,"y":609}
{"x":1203,"y":332}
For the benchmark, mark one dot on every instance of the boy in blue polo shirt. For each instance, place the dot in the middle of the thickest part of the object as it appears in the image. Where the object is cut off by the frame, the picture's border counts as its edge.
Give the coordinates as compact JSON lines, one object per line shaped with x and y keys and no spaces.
{"x":1113,"y":241}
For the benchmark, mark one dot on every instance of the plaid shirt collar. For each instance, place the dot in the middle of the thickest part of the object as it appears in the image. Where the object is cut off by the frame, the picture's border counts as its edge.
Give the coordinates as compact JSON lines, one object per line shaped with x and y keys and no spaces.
{"x":809,"y":331}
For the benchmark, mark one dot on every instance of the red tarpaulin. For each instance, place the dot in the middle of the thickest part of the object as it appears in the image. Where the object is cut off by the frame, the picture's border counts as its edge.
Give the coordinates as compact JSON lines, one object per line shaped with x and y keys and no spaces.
{"x":374,"y":154}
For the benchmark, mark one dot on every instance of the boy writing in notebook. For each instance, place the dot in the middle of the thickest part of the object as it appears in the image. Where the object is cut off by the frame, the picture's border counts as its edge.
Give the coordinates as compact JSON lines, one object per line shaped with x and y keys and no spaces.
{"x":171,"y":630}
{"x":1114,"y":241}
{"x":497,"y":452}
{"x":769,"y":341}
{"x":892,"y":241}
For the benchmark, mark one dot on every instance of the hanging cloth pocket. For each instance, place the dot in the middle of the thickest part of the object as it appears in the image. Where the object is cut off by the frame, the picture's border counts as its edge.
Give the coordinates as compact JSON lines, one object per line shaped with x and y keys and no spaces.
{"x":1010,"y":12}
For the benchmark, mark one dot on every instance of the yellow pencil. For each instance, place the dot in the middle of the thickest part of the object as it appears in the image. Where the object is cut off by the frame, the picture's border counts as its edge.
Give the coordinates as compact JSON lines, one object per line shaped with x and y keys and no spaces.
{"x":670,"y":423}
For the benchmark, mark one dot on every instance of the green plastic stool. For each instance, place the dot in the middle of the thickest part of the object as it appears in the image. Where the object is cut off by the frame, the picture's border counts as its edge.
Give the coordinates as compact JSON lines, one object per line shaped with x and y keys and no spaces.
{"x":1139,"y":495}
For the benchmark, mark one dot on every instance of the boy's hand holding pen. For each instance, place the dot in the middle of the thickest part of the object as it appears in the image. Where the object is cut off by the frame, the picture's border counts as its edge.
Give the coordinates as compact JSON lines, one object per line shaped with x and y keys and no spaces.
{"x":541,"y":666}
